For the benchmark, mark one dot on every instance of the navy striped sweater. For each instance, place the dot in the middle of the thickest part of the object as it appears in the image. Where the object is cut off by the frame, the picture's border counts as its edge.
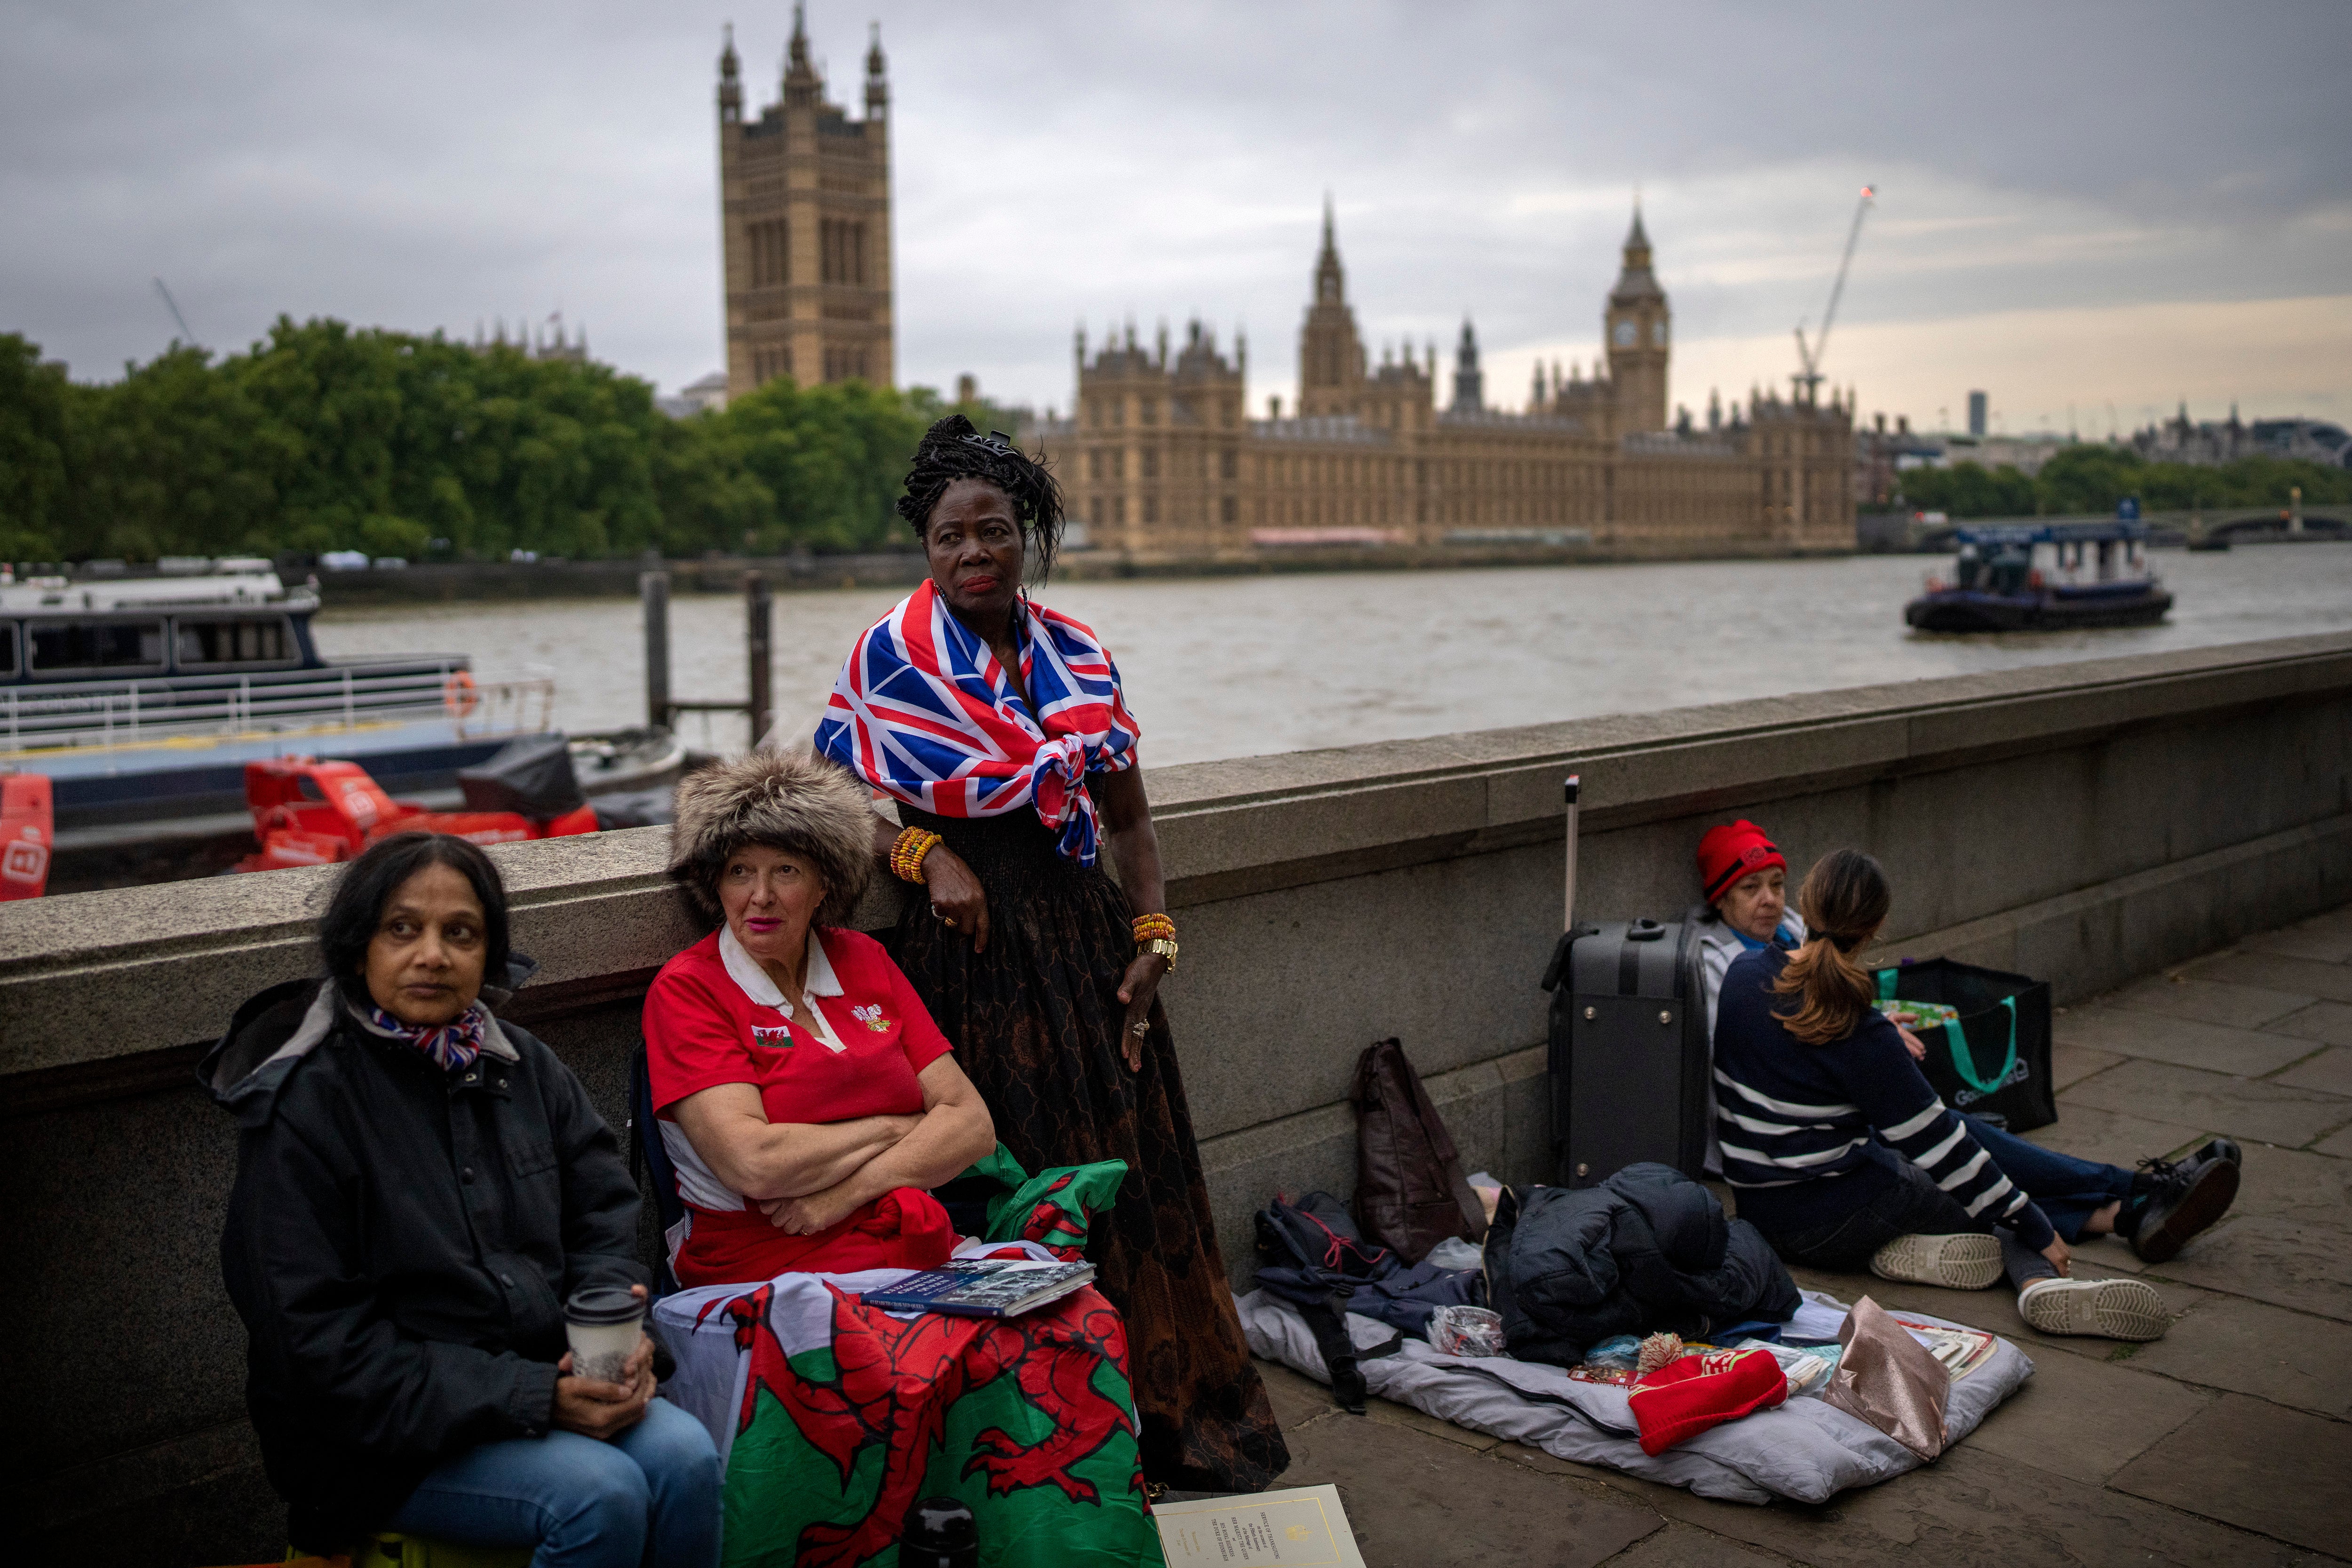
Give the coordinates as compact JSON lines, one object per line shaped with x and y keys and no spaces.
{"x":1810,"y":1133}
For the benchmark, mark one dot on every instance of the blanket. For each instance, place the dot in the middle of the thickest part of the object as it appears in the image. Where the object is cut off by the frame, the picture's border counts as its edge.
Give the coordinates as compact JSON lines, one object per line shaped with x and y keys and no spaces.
{"x":831,"y":1419}
{"x":1803,"y":1449}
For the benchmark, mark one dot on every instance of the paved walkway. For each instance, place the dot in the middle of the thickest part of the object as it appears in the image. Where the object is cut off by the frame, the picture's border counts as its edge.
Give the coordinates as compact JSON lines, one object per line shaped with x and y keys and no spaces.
{"x":2229,"y":1441}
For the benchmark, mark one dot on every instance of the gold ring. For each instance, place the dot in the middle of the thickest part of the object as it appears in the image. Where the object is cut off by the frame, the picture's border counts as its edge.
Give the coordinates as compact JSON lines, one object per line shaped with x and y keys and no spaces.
{"x":949,"y":920}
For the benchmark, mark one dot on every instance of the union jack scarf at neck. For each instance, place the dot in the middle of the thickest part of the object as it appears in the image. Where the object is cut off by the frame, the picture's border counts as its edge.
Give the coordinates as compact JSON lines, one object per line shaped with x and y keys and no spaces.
{"x":454,"y":1045}
{"x":924,"y":712}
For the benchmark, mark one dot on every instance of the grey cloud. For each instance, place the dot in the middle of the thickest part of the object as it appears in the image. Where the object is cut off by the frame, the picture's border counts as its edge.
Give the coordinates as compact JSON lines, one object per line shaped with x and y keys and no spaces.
{"x":435,"y":164}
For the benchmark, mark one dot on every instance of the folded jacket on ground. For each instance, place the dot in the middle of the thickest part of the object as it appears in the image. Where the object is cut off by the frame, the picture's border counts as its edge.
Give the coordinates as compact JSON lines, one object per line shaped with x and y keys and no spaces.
{"x":1647,"y":1250}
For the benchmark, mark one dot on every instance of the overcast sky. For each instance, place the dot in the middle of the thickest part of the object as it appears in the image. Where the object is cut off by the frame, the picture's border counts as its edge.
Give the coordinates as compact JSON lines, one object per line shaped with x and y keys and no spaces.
{"x":2100,"y":207}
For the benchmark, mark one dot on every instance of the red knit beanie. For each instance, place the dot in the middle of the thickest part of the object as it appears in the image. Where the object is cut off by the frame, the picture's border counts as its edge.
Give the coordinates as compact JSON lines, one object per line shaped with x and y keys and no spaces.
{"x":1686,"y":1397}
{"x":1731,"y":851}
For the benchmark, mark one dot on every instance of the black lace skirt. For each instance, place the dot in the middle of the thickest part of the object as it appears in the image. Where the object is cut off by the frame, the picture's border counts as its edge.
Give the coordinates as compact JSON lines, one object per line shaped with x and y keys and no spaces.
{"x":1035,"y":1023}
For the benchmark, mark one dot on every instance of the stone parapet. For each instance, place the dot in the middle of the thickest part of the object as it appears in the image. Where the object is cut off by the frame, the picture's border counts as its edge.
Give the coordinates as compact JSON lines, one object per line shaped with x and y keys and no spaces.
{"x":2085,"y":823}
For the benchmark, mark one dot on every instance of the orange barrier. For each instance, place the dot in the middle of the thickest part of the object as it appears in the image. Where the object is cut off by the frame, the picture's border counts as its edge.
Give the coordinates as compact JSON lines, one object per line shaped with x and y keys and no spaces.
{"x":27,"y":831}
{"x":310,"y":812}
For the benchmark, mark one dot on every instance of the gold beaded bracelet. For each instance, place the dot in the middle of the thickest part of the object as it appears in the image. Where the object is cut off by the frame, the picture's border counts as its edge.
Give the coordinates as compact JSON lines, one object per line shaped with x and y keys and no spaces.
{"x":1152,"y":926}
{"x":907,"y":852}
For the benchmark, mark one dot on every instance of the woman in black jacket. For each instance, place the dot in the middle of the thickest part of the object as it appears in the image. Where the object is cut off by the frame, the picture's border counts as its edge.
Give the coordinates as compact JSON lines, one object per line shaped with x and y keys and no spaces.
{"x":419,"y":1189}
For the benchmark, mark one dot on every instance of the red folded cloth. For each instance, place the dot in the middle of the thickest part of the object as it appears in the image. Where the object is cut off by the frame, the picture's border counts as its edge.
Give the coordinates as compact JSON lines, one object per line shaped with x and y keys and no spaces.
{"x":1684,"y":1397}
{"x":904,"y":1228}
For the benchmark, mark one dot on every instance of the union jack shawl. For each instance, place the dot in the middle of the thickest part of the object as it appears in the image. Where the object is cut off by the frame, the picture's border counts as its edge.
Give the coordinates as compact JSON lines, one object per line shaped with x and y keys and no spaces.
{"x":924,"y":712}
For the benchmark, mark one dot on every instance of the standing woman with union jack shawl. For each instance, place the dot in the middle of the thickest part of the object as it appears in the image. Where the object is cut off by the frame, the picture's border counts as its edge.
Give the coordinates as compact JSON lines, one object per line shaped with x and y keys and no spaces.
{"x":999,"y":730}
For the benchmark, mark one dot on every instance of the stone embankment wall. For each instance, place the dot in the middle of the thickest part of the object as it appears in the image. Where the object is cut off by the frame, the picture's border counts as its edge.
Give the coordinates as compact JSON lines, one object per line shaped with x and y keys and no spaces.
{"x":2087,"y":822}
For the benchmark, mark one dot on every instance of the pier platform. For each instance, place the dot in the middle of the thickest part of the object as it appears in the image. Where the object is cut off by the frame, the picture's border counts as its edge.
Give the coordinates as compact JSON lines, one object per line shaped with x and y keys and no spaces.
{"x":2226,"y":1442}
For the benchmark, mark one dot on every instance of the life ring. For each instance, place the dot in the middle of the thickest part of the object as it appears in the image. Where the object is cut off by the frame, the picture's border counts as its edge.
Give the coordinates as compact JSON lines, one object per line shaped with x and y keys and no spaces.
{"x":459,"y":696}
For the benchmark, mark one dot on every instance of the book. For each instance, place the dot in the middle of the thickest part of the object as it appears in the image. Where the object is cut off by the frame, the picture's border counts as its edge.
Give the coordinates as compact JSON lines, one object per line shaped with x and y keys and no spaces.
{"x":983,"y":1287}
{"x":1958,"y":1352}
{"x":1302,"y":1528}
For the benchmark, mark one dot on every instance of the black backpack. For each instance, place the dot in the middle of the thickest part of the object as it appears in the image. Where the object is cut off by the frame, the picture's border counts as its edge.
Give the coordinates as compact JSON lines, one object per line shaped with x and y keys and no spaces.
{"x":1311,"y":1257}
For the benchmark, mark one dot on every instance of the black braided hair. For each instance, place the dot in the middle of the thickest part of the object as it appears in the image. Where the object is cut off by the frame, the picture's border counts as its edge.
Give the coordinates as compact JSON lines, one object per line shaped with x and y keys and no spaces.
{"x":954,"y":449}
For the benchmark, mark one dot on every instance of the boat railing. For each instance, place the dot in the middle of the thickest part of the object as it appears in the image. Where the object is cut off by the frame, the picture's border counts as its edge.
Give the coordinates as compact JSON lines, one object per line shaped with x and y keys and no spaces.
{"x":134,"y":713}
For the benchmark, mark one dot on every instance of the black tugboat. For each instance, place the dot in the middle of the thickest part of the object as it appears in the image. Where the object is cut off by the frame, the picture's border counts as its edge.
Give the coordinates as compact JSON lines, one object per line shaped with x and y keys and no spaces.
{"x":2044,"y":577}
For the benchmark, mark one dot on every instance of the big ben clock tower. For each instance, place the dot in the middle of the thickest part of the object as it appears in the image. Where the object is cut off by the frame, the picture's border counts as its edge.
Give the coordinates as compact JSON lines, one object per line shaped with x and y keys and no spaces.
{"x":1637,"y":326}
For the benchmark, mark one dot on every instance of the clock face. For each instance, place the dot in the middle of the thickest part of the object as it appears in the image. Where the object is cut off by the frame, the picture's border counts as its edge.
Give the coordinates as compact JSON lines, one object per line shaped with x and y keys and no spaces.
{"x":1625,"y":331}
{"x":1658,"y":335}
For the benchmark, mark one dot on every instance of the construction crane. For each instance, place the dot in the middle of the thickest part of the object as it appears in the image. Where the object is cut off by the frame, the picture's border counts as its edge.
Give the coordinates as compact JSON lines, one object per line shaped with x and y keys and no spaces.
{"x":1808,"y":381}
{"x":186,"y":336}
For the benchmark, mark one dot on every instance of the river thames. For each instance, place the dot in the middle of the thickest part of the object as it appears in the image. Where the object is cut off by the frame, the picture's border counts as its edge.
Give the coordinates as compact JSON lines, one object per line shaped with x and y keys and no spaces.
{"x":1244,"y":666}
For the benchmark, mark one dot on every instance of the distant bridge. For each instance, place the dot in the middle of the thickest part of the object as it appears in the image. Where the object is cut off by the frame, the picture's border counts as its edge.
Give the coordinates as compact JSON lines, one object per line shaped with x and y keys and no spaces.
{"x":1901,"y":534}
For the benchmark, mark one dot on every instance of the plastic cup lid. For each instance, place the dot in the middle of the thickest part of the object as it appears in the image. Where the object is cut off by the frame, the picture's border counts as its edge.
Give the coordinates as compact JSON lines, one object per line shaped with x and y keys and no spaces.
{"x":604,"y":1304}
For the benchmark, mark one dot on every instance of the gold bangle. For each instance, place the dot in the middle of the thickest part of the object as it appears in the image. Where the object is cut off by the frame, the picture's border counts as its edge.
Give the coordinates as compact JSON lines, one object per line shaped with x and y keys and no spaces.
{"x":907,"y":852}
{"x":1165,"y":949}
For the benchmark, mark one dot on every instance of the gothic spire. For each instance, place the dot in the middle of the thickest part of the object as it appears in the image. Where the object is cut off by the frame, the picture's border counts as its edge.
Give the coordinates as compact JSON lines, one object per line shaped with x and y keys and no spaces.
{"x":797,"y":70}
{"x":730,"y":86}
{"x":877,"y":87}
{"x":1635,"y":280}
{"x":1331,"y":280}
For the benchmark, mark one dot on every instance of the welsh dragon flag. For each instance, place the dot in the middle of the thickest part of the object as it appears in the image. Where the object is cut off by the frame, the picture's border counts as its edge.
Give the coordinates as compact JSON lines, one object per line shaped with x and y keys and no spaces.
{"x":833,"y":1419}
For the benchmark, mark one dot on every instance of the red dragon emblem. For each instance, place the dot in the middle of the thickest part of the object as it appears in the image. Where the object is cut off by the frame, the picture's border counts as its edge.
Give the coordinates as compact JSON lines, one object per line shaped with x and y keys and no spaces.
{"x":895,"y":1379}
{"x":1053,"y":1227}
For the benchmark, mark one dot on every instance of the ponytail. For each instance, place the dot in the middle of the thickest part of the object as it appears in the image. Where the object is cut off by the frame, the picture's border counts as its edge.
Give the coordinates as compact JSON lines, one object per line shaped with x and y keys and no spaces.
{"x":1844,"y":901}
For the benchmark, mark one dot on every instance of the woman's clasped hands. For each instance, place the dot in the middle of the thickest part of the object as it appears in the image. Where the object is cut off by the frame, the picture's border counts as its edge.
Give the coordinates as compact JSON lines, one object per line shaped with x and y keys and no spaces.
{"x":594,"y":1408}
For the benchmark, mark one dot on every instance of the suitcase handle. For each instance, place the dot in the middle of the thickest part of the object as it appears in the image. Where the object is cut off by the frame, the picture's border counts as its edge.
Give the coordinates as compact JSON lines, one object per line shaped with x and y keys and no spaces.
{"x":1567,"y":904}
{"x":1555,"y":972}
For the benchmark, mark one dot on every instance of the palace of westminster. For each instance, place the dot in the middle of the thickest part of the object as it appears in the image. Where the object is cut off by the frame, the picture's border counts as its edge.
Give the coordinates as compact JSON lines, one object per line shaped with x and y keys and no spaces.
{"x":1159,"y":458}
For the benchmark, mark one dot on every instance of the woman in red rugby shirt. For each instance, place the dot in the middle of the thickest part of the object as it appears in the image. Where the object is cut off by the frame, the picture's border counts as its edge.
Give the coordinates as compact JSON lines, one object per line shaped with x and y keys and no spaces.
{"x":801,"y":1089}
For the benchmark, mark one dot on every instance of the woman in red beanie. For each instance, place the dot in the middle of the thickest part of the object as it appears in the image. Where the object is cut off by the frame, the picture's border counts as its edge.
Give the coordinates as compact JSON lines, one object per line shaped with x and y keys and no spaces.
{"x":1746,"y":881}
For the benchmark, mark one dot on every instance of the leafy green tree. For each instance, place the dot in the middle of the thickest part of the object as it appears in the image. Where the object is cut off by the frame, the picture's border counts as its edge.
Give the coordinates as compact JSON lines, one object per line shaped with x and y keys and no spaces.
{"x":35,"y":484}
{"x":176,"y":459}
{"x":2089,"y":477}
{"x":326,"y":436}
{"x":1968,"y":490}
{"x":833,"y":457}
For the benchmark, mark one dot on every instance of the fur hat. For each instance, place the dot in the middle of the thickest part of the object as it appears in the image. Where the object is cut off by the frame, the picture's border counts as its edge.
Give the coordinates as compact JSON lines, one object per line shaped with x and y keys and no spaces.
{"x":796,"y":803}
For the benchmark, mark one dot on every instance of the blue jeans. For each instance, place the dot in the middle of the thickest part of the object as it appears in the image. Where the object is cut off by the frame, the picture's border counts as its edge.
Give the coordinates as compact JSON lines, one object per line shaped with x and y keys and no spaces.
{"x":648,"y":1496}
{"x":2069,"y":1191}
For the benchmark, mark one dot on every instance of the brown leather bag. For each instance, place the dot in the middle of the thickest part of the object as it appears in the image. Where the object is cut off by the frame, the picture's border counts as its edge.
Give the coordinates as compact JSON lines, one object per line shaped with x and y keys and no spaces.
{"x":1411,"y":1193}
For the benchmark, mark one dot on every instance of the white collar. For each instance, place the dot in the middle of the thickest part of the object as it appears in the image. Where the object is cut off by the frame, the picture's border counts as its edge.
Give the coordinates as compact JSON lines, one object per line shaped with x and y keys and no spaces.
{"x":755,"y":982}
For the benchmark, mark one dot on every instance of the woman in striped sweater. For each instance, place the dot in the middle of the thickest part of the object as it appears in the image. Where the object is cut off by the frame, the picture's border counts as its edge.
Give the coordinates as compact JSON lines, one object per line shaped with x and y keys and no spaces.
{"x":1842,"y":1153}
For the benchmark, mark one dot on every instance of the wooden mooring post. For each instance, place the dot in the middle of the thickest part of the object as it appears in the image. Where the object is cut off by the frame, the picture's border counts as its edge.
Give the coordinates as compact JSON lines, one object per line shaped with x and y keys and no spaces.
{"x":759,"y":705}
{"x":653,"y":592}
{"x":759,"y":610}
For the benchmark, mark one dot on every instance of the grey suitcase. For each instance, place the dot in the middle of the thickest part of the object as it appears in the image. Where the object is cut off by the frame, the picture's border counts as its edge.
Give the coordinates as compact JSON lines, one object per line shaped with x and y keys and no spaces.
{"x":1628,"y":1054}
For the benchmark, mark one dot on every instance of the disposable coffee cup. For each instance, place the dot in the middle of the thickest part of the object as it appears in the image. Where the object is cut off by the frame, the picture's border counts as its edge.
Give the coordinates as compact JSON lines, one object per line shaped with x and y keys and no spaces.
{"x":604,"y":1323}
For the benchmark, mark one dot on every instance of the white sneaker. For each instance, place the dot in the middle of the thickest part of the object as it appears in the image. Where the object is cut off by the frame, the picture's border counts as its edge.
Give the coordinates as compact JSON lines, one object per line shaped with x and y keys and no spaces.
{"x":2113,"y":1309}
{"x":1968,"y":1261}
